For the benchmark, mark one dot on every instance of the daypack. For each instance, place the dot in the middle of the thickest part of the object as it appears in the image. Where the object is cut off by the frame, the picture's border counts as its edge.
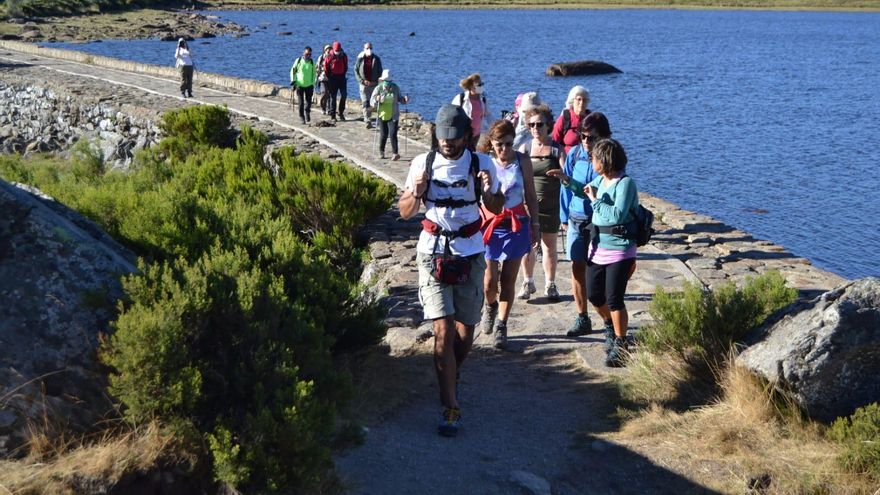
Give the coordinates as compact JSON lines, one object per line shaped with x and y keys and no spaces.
{"x":566,"y":123}
{"x":643,"y":223}
{"x":337,"y":64}
{"x":448,"y":268}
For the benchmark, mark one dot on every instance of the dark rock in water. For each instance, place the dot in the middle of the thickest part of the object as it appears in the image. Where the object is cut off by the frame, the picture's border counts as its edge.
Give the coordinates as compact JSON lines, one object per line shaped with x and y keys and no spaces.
{"x":206,"y":34}
{"x":413,"y":33}
{"x":283,"y":33}
{"x":336,"y":28}
{"x":825,"y":352}
{"x":582,"y":68}
{"x":59,"y":283}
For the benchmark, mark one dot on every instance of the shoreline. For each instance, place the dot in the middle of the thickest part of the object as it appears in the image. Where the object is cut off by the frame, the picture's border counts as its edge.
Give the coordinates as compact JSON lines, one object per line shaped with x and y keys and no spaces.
{"x":197,"y":22}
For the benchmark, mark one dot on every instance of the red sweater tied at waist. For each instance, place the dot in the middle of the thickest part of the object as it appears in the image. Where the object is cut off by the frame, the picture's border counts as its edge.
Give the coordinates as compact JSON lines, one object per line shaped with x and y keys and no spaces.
{"x":511,"y":214}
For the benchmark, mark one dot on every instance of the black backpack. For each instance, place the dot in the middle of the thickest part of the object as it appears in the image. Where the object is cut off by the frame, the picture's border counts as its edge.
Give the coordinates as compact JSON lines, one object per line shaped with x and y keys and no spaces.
{"x":643,"y":220}
{"x":644,"y":225}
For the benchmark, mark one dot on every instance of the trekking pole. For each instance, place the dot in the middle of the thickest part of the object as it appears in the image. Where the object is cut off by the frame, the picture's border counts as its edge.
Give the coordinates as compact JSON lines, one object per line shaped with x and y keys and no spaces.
{"x":405,"y":133}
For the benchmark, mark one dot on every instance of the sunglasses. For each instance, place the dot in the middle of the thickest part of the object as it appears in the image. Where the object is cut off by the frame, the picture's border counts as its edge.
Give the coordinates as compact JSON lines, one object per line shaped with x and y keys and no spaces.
{"x":478,"y":84}
{"x":458,"y":183}
{"x":502,"y":144}
{"x":588,"y":138}
{"x":535,"y":125}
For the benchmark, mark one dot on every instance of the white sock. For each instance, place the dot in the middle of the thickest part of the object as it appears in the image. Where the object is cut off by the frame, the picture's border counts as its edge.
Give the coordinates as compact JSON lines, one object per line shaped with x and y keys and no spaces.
{"x":530,"y":280}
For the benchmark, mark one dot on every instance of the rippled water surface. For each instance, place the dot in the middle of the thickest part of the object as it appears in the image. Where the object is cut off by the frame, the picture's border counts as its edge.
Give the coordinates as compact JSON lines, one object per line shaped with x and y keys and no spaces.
{"x":768,"y":121}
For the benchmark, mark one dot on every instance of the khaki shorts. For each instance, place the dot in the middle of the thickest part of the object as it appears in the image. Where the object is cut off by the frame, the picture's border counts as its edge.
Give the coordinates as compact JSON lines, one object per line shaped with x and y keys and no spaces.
{"x":463,"y":302}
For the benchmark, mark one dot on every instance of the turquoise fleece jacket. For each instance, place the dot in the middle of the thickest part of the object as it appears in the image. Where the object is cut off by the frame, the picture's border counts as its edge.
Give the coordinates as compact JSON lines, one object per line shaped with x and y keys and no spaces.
{"x":615,"y":203}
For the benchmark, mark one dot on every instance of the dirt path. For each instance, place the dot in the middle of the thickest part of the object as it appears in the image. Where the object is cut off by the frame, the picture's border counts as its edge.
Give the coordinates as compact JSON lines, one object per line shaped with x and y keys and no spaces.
{"x":531,"y":424}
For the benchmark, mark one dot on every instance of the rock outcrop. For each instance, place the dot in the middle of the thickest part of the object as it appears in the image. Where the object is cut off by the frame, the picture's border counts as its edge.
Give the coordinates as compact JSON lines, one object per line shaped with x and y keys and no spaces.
{"x":59,"y":281}
{"x":826,"y":352}
{"x":582,"y":68}
{"x":39,"y":119}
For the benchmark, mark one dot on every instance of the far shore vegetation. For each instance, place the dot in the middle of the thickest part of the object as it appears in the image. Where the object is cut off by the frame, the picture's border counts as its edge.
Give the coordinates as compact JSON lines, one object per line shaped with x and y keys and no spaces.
{"x":43,"y":8}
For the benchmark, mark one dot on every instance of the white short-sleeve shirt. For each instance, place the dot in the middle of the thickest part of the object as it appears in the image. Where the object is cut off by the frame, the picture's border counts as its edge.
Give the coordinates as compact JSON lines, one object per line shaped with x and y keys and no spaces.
{"x":456,"y":176}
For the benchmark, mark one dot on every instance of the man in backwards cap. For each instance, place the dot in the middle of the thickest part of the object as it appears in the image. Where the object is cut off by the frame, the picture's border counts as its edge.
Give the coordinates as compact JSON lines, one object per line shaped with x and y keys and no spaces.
{"x":451,"y":181}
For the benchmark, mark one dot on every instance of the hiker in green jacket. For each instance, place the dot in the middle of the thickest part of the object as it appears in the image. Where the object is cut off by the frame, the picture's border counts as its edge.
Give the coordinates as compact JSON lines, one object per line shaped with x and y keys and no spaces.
{"x":387,"y":98}
{"x":302,"y":80}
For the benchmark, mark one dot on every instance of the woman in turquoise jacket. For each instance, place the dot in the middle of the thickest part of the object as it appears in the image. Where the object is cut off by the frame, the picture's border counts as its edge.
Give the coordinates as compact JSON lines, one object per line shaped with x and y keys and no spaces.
{"x":575,"y":211}
{"x":614,"y":198}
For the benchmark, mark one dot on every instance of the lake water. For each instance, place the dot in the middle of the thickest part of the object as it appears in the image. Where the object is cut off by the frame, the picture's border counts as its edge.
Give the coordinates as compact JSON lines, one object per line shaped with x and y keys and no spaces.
{"x":767,"y":121}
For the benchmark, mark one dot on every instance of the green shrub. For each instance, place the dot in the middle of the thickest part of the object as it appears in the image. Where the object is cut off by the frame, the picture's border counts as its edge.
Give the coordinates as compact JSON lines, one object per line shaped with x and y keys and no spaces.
{"x":859,"y":437}
{"x":226,"y":332}
{"x":87,"y":162}
{"x":189,"y":127}
{"x":711,"y":321}
{"x":329,"y":200}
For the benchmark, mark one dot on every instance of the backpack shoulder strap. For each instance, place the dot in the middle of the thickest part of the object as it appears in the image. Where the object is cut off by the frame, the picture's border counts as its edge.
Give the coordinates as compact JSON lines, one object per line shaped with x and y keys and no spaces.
{"x":566,"y":121}
{"x":429,"y":167}
{"x":475,"y":170}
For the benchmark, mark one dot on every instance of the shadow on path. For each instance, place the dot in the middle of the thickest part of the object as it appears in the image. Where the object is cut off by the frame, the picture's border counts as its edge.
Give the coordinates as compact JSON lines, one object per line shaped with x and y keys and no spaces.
{"x":542,"y":415}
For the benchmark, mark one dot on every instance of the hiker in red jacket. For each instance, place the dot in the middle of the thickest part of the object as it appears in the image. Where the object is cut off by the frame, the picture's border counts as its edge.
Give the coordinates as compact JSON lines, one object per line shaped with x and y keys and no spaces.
{"x":335,"y":67}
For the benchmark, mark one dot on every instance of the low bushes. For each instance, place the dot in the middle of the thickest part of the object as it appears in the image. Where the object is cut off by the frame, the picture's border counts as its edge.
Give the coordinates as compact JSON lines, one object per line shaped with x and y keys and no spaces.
{"x":247,"y":282}
{"x":711,"y":321}
{"x":682,"y":354}
{"x":859,"y":439}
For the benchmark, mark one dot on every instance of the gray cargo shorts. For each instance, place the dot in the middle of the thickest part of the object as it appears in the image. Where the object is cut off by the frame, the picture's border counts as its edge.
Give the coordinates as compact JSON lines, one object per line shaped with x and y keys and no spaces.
{"x":463,"y":302}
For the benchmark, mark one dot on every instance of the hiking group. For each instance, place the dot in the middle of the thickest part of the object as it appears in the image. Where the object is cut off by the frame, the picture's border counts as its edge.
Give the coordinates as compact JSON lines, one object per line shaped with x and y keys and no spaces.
{"x":495,"y":192}
{"x":328,"y":75}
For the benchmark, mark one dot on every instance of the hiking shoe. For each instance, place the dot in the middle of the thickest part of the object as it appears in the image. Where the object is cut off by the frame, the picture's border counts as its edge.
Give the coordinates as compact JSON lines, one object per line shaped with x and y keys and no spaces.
{"x":395,"y":157}
{"x":490,"y":311}
{"x":500,"y":335}
{"x":527,"y":289}
{"x":608,"y":333}
{"x":581,"y":326}
{"x":190,"y":94}
{"x":369,"y":125}
{"x":617,"y":353}
{"x":552,"y":292}
{"x":450,"y":421}
{"x":341,"y":117}
{"x":183,"y":94}
{"x":382,"y":156}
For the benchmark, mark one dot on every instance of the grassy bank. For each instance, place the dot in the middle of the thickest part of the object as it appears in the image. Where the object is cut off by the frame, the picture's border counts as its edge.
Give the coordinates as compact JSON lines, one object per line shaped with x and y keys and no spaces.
{"x":43,"y":8}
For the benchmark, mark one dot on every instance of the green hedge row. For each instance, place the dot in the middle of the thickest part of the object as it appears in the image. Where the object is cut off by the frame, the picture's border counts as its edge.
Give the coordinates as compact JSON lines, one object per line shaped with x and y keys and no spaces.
{"x":247,"y":283}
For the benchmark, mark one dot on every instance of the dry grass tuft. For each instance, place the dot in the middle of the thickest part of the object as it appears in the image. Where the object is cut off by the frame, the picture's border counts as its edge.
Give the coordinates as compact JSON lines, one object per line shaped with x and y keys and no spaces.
{"x":56,"y":467}
{"x":753,"y":439}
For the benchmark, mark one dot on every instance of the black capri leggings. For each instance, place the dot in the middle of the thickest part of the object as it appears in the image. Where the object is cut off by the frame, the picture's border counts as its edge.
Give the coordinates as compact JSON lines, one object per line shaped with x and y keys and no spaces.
{"x":607,"y":283}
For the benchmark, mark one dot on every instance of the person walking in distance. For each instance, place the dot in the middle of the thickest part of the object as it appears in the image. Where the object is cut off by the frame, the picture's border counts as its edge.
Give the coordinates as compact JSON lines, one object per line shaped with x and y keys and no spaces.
{"x":183,"y":60}
{"x":302,"y":80}
{"x":335,"y":67}
{"x":387,"y":98}
{"x":367,"y":70}
{"x":321,"y":78}
{"x":565,"y":131}
{"x":452,"y":182}
{"x":473,"y":101}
